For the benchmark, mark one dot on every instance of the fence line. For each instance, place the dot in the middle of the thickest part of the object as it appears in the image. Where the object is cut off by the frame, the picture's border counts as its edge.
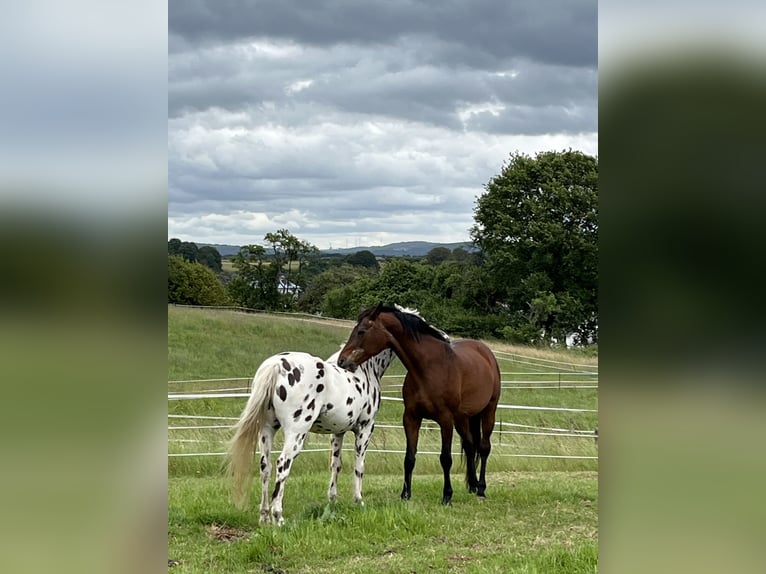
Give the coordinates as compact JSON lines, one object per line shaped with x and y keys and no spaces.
{"x":211,"y":380}
{"x":175,"y":416}
{"x":514,"y":387}
{"x":190,"y":396}
{"x":562,"y":369}
{"x":503,"y":373}
{"x":516,"y":425}
{"x":542,"y":360}
{"x":391,"y":388}
{"x":400,"y":427}
{"x":262,"y":312}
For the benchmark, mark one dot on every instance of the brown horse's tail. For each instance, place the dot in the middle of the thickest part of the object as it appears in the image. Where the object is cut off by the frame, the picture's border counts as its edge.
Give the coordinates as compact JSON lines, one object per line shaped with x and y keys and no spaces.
{"x":241,"y":448}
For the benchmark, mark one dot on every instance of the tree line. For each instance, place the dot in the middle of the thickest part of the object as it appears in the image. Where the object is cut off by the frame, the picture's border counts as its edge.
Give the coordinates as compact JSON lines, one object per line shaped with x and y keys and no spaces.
{"x":533,"y":278}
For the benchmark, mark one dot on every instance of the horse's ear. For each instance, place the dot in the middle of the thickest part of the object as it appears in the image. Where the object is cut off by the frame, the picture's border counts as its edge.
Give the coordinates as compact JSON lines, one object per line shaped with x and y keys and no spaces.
{"x":376,"y":311}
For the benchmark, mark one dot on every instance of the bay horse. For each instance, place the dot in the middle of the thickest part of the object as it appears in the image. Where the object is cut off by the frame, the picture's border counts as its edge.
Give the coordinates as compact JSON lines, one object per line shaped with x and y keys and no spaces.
{"x":456,"y":384}
{"x":301,"y":393}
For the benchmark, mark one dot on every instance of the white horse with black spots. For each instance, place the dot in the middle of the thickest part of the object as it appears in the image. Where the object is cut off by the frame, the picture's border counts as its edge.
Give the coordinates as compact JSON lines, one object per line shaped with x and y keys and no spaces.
{"x":301,"y":393}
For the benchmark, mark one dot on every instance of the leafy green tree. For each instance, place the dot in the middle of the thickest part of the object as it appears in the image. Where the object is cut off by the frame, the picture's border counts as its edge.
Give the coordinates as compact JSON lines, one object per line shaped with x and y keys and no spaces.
{"x":255,"y":285}
{"x":210,"y":257}
{"x":403,"y":281}
{"x":438,"y":255}
{"x":313,"y":298}
{"x":192,"y":283}
{"x":289,"y":256}
{"x":460,"y":255}
{"x":174,"y":246}
{"x":537,"y":226}
{"x":363,"y":258}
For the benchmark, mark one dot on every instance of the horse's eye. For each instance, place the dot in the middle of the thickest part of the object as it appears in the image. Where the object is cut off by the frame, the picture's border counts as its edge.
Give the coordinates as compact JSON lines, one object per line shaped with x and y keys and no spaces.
{"x":360,"y":332}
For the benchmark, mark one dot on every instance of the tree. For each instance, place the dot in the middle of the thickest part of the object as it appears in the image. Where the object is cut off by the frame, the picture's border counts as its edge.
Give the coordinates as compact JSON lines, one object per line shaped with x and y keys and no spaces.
{"x":313,"y":298}
{"x":210,"y":257}
{"x":460,"y":255}
{"x":288,"y":249}
{"x":193,"y":284}
{"x":438,"y":255}
{"x":174,"y":246}
{"x":363,"y":258}
{"x":537,"y":226}
{"x":255,"y":285}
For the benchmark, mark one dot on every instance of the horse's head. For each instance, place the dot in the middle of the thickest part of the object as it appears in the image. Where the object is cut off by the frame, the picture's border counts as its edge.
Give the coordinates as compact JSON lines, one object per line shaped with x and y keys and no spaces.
{"x":369,"y":337}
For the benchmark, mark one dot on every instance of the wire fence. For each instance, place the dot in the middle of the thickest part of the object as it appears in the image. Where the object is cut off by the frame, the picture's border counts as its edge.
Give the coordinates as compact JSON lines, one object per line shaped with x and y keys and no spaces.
{"x":533,"y":373}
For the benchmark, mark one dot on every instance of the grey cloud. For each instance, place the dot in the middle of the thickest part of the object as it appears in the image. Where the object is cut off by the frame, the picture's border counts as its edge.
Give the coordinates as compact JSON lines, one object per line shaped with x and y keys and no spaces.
{"x":364,"y":81}
{"x":554,"y":31}
{"x":365,"y":119}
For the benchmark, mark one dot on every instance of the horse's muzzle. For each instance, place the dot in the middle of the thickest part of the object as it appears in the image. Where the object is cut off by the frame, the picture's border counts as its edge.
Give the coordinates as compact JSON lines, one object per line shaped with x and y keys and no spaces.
{"x":347,"y":364}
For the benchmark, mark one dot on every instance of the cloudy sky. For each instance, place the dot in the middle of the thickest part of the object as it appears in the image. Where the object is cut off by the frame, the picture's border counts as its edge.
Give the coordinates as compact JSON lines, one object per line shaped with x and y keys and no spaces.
{"x":355,"y":122}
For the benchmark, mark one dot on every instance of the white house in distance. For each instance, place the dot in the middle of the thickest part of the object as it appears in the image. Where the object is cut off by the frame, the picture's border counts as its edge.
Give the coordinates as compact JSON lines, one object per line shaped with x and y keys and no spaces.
{"x":284,"y":286}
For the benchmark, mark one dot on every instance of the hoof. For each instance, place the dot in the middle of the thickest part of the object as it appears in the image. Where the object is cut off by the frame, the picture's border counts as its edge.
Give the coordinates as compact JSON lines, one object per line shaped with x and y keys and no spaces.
{"x":447,"y":501}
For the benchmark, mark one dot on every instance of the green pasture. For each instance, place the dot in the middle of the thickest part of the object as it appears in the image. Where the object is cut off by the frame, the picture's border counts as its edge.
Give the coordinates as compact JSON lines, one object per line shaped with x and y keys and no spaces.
{"x":540,"y":514}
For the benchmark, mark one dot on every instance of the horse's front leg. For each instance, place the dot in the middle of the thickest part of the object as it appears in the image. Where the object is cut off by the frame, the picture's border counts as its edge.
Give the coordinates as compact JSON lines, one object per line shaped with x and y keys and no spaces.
{"x":411,"y":431}
{"x":336,"y":444}
{"x":362,"y":442}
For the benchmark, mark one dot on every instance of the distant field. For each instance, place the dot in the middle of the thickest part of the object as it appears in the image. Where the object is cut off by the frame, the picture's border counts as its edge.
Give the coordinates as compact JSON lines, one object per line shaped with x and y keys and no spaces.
{"x":541,"y":512}
{"x":227,"y":265}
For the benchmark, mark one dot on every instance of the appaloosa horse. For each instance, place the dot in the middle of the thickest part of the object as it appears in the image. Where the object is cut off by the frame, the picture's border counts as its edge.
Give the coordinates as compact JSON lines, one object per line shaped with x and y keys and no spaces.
{"x":456,"y":384}
{"x":301,"y":393}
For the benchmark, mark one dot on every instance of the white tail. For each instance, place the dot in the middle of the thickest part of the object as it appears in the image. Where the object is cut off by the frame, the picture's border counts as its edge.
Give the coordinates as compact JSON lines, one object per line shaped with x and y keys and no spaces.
{"x":242,"y":446}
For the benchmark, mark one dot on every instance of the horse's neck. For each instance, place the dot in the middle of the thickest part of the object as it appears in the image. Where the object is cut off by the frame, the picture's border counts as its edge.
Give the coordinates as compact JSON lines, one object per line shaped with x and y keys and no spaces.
{"x":378,"y":364}
{"x":413,"y":353}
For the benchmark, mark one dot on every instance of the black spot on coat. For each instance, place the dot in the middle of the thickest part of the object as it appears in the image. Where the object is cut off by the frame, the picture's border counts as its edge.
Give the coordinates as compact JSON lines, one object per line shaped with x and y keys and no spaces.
{"x":286,"y":365}
{"x":282,"y":392}
{"x":297,"y":413}
{"x":320,"y":387}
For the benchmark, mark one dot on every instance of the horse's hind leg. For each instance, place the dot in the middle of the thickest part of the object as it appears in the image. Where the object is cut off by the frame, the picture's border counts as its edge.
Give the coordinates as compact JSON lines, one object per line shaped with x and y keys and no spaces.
{"x":487,"y":425}
{"x":293,"y":446}
{"x":336,"y":444}
{"x":264,"y":441}
{"x":472,"y":452}
{"x":464,"y":428}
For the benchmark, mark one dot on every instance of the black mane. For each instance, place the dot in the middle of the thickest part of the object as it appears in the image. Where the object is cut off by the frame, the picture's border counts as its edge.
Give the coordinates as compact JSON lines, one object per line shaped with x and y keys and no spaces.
{"x":411,"y":323}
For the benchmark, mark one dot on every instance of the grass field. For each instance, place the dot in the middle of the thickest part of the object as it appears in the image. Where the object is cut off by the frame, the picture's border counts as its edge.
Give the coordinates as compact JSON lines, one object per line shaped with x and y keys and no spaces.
{"x":540,"y":514}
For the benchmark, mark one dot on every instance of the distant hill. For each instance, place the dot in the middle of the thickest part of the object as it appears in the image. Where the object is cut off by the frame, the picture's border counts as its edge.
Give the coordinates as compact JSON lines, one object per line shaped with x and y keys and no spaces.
{"x":410,"y":248}
{"x":403,"y":248}
{"x":224,"y":250}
